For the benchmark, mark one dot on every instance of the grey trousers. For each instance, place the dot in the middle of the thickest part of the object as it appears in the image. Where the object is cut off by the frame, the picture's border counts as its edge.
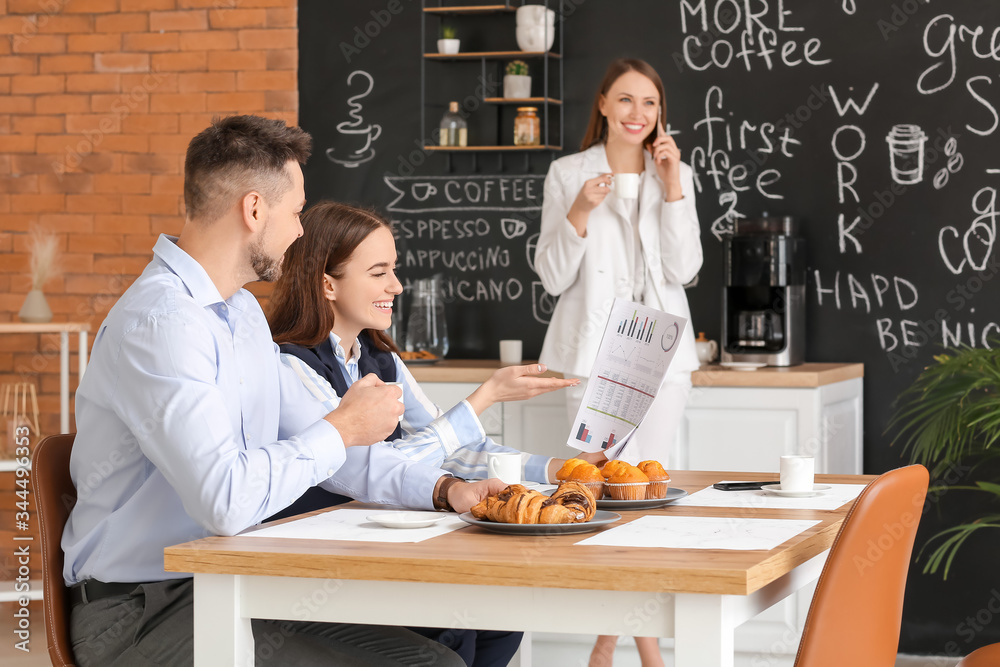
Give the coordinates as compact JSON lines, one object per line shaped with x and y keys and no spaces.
{"x":155,"y":626}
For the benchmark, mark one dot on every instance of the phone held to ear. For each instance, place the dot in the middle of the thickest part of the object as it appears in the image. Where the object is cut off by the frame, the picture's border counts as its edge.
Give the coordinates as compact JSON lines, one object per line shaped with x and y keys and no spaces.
{"x":741,"y":486}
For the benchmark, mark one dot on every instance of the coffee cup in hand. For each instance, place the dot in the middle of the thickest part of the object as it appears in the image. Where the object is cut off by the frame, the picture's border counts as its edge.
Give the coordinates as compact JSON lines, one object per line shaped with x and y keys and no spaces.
{"x":400,"y":385}
{"x":625,"y":186}
{"x":797,"y":473}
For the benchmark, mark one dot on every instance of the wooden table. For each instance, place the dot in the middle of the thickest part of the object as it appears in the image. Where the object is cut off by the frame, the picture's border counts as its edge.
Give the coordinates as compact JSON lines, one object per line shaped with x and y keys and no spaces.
{"x":472,"y":578}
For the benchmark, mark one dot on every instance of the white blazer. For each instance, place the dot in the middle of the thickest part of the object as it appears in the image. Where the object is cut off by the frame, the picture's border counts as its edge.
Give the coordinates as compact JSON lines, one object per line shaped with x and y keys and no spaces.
{"x":587,"y":273}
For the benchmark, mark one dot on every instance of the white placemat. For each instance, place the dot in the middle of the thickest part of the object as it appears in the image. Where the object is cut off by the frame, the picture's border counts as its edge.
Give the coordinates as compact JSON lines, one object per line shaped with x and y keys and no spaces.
{"x":837,"y":495}
{"x":351,"y":525}
{"x":690,"y":532}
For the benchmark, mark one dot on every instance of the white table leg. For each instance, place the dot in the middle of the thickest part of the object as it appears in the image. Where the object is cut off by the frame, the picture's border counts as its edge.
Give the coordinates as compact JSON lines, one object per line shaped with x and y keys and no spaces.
{"x":222,"y":636}
{"x":703,"y":631}
{"x":523,"y":656}
{"x":64,"y":382}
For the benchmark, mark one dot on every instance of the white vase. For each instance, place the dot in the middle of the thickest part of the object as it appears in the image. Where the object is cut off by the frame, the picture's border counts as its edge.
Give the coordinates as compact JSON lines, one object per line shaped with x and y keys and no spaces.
{"x":35,"y":309}
{"x":448,"y":46}
{"x":516,"y":86}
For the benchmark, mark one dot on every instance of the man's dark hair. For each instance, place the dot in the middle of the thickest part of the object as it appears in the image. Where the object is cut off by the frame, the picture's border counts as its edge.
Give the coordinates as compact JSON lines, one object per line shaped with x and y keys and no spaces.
{"x":236,"y":155}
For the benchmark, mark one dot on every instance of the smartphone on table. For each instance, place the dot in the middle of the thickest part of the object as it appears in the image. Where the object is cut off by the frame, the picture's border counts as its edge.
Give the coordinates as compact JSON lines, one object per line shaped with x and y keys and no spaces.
{"x":741,"y":486}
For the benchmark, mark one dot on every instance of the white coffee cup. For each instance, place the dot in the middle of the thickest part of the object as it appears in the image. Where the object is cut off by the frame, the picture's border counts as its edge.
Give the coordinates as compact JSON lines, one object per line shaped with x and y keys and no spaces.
{"x":797,"y":473}
{"x":505,"y":467}
{"x":510,"y":352}
{"x":625,"y":186}
{"x":400,"y":385}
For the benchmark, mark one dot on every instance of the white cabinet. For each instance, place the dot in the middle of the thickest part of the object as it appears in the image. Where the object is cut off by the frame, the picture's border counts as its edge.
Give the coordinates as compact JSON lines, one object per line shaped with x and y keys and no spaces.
{"x":448,"y":394}
{"x":748,"y":428}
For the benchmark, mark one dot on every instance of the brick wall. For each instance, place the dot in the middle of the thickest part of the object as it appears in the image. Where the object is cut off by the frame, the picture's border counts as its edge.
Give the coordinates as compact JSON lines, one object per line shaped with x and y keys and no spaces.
{"x":98,"y":100}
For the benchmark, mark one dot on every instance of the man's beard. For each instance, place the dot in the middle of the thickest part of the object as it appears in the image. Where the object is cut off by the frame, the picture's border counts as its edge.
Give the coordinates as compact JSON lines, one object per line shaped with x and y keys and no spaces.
{"x":267,"y":268}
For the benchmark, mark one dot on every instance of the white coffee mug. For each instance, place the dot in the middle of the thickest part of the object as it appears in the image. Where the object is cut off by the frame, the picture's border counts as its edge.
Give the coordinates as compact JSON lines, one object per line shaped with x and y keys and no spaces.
{"x":505,"y":467}
{"x":400,"y":385}
{"x":510,"y":352}
{"x":625,"y":186}
{"x":797,"y":473}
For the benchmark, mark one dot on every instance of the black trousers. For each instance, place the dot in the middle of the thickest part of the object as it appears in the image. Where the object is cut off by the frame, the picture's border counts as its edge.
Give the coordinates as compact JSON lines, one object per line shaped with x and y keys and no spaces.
{"x":478,"y":648}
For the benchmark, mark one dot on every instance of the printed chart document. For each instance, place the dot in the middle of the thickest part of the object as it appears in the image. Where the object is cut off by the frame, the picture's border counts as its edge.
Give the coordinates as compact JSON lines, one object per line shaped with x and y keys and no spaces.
{"x":639,"y":343}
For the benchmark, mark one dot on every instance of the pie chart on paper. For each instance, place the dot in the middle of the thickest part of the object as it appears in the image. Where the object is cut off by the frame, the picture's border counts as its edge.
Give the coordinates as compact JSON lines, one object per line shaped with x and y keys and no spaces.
{"x":669,"y":337}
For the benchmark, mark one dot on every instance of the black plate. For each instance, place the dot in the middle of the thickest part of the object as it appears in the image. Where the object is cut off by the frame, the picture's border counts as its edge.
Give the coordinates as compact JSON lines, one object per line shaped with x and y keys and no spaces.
{"x":650,"y":504}
{"x":601,"y":518}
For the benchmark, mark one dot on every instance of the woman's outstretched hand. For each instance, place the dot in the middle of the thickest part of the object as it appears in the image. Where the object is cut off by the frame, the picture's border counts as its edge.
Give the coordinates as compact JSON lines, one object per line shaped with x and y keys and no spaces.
{"x":515,"y":383}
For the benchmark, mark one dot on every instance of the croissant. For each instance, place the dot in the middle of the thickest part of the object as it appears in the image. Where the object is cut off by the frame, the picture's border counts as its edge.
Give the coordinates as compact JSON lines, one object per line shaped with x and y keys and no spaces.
{"x":571,"y":503}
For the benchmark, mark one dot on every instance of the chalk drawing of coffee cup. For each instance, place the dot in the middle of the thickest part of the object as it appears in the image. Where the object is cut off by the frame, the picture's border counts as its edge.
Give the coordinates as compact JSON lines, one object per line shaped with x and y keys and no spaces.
{"x":906,"y":153}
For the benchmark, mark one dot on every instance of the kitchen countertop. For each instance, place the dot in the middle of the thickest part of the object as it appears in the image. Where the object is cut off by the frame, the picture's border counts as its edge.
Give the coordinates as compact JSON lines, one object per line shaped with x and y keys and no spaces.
{"x":712,"y":375}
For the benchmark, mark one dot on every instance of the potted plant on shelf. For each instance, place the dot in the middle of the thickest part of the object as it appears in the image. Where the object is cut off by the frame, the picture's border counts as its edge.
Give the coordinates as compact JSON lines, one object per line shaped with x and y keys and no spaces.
{"x":449,"y":42}
{"x":949,"y":421}
{"x":516,"y":82}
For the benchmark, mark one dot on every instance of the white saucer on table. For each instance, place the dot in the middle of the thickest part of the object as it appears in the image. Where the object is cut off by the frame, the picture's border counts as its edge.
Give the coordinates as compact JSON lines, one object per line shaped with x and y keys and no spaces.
{"x":406,"y":519}
{"x":743,"y":365}
{"x":776,"y":489}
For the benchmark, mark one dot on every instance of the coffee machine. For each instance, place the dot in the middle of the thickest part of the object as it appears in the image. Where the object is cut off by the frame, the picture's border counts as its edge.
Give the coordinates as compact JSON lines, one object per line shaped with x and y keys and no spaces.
{"x":764,"y":299}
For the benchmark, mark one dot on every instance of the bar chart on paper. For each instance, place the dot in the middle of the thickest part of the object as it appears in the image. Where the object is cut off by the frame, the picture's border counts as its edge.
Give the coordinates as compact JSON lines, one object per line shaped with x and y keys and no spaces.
{"x":635,"y":353}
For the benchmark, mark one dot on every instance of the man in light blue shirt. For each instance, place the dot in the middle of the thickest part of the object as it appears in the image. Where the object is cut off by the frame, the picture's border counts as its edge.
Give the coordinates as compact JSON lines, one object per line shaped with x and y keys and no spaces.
{"x":189,"y":425}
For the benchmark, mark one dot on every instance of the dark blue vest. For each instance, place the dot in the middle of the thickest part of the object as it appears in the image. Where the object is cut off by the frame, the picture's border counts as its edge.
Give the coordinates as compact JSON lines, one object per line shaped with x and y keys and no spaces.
{"x":323,"y":360}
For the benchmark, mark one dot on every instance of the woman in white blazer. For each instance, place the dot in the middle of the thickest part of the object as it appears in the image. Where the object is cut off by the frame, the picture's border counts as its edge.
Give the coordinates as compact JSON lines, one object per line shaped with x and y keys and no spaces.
{"x":595,"y":246}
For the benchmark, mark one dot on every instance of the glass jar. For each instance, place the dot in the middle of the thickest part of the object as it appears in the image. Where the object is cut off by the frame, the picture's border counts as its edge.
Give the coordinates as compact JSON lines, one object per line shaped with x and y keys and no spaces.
{"x":426,"y":328}
{"x":454,"y":129}
{"x":527,"y":127}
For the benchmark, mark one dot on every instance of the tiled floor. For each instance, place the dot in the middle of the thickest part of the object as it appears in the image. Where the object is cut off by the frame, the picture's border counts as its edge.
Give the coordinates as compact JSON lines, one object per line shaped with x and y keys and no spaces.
{"x":38,"y":655}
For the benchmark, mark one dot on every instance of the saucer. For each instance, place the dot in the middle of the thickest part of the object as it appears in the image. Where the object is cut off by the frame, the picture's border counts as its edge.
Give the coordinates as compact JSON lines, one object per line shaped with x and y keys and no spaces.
{"x":818,"y":490}
{"x":406,"y":519}
{"x":743,"y":365}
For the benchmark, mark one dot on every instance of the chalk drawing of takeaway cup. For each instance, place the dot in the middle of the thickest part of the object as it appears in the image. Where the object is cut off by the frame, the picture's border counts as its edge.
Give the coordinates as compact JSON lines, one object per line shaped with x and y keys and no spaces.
{"x":906,"y":153}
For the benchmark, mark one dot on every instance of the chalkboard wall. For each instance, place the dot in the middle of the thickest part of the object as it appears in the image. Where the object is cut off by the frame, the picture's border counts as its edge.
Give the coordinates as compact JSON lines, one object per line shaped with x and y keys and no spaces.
{"x":872,"y":122}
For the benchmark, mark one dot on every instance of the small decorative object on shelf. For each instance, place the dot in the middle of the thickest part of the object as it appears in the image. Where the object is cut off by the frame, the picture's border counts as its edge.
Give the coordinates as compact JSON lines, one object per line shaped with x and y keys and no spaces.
{"x":527,"y":128}
{"x":536,"y":28}
{"x":454,"y":129}
{"x":449,"y":42}
{"x":516,"y":82}
{"x":44,"y":265}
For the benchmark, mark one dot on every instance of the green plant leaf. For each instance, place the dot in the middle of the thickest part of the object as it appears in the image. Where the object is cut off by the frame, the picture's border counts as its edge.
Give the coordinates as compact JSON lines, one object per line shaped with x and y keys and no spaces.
{"x":990,"y":487}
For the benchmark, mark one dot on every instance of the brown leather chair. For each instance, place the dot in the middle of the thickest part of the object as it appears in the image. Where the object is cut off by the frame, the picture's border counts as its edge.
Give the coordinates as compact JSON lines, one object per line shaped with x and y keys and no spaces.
{"x":55,"y":496}
{"x":856,"y":611}
{"x":987,"y":656}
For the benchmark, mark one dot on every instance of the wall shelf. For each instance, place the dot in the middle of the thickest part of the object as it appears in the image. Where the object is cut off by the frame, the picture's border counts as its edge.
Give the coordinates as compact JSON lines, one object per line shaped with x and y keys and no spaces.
{"x":547,"y":74}
{"x":484,"y":149}
{"x":521,"y":100}
{"x":491,"y":55}
{"x":471,"y":9}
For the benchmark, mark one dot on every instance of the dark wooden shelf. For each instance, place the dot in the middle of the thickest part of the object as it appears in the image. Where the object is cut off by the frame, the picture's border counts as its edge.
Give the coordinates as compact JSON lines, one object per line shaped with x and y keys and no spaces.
{"x":521,"y":100}
{"x":471,"y":149}
{"x":499,"y":55}
{"x":471,"y":9}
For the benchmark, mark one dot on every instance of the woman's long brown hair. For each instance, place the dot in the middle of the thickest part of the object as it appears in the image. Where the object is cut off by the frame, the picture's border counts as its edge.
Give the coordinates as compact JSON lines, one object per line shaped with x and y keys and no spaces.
{"x":597,"y":128}
{"x":298,"y":311}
